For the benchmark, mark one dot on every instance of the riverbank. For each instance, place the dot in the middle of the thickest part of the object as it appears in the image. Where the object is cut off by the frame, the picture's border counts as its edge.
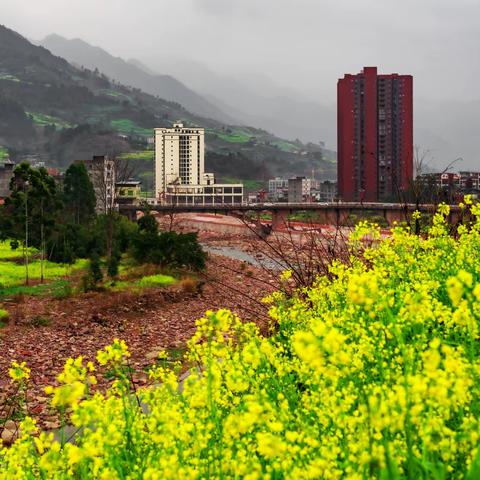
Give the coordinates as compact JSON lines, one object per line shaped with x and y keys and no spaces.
{"x":44,"y":332}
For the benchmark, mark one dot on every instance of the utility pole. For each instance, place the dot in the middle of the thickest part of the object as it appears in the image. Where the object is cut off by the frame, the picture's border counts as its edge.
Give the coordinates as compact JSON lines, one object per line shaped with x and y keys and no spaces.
{"x":26,"y":231}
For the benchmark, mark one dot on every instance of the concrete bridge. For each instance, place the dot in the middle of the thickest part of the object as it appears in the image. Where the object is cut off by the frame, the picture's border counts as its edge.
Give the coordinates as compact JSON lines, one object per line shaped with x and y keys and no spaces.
{"x":334,"y":213}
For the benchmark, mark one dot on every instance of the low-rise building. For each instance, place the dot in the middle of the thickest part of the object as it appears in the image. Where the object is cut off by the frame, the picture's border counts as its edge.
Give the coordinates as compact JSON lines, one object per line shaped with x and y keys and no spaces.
{"x":6,"y":174}
{"x":325,"y":191}
{"x":278,"y":189}
{"x":299,"y":190}
{"x":101,"y":170}
{"x":469,"y":180}
{"x":214,"y":194}
{"x":128,"y":192}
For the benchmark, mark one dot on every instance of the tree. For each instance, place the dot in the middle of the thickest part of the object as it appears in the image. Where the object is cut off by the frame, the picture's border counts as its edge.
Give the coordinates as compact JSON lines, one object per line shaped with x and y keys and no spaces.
{"x":31,"y":209}
{"x":107,"y":171}
{"x":167,"y":249}
{"x":78,"y":193}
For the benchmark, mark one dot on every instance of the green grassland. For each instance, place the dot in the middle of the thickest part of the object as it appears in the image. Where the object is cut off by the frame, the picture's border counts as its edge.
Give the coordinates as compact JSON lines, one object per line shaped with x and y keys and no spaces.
{"x":42,"y":120}
{"x":59,"y":279}
{"x":127,"y":127}
{"x":158,"y":280}
{"x":285,"y":146}
{"x":148,"y":155}
{"x":246,"y":135}
{"x":12,"y":273}
{"x":7,"y":252}
{"x":234,"y":135}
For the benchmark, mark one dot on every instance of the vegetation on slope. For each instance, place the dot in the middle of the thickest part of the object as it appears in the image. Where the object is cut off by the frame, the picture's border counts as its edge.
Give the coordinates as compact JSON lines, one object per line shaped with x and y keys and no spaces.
{"x":79,"y":112}
{"x":372,"y":373}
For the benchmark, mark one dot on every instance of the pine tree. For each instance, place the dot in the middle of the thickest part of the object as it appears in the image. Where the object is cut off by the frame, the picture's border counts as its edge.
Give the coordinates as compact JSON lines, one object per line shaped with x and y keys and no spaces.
{"x":78,"y":193}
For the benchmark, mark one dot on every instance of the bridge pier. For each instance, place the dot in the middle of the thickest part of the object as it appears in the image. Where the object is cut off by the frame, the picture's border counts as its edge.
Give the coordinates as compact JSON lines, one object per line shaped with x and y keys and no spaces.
{"x":279,"y":219}
{"x":334,"y":216}
{"x":392,"y":216}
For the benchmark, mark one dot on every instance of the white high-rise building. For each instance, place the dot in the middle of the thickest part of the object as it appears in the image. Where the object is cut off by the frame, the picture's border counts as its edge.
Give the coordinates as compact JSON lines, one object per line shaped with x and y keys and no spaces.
{"x":179,"y":157}
{"x":180,"y":176}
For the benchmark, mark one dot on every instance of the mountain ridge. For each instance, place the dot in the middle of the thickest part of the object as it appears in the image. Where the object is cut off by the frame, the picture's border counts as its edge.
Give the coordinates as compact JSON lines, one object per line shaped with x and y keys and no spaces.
{"x":81,"y":53}
{"x":63,"y":113}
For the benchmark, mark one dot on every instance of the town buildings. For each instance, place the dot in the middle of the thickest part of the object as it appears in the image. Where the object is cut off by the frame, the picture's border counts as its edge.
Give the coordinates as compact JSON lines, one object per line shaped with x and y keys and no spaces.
{"x":180,"y":177}
{"x":6,"y":174}
{"x":278,"y":189}
{"x":324,"y":192}
{"x":375,"y":135}
{"x":448,"y":185}
{"x":102,"y":173}
{"x":299,"y":189}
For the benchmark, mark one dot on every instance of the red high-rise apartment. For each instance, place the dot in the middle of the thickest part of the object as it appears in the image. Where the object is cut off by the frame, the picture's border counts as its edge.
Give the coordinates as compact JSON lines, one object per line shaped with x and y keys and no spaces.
{"x":375,"y":135}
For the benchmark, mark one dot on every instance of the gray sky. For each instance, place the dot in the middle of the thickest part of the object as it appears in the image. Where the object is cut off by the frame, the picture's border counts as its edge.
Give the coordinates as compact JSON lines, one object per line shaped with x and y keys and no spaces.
{"x":302,"y":45}
{"x":305,"y":44}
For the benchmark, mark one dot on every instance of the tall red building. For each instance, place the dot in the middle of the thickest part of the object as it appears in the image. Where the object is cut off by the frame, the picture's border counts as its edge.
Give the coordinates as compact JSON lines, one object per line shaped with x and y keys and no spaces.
{"x":375,"y":135}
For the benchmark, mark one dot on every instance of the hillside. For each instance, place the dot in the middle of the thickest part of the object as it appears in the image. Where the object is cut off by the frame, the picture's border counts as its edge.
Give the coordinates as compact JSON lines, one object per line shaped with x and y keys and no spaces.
{"x":58,"y":112}
{"x":80,"y":53}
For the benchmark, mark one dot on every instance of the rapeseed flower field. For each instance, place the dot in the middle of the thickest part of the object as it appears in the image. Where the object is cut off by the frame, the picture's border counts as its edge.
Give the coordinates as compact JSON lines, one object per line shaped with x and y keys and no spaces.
{"x":372,"y":374}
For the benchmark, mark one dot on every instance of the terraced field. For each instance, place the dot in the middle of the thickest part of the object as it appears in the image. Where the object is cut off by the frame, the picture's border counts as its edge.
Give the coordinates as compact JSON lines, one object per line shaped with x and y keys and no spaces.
{"x":42,"y":120}
{"x":127,"y":127}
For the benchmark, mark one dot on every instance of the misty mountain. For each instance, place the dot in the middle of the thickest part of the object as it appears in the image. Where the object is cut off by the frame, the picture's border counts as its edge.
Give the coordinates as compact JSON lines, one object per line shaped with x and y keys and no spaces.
{"x":449,"y":129}
{"x":256,"y":100}
{"x":57,"y":112}
{"x":80,"y":53}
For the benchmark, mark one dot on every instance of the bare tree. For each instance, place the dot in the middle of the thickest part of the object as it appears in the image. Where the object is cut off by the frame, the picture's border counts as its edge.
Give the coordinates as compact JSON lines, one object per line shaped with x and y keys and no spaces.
{"x":106,"y":172}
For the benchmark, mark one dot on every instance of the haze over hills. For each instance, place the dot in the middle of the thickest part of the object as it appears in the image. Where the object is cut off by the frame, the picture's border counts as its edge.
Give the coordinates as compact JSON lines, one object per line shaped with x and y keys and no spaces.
{"x":254,"y":99}
{"x":240,"y":100}
{"x":60,"y":113}
{"x":257,"y":100}
{"x":80,"y":53}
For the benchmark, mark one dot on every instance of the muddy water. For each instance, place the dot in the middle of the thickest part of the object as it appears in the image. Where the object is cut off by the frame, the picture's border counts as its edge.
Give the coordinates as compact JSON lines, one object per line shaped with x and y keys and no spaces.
{"x":237,"y":254}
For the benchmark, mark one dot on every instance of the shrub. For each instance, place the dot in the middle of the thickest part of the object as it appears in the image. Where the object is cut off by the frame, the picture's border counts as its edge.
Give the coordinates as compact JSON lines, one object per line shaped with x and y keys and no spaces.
{"x":189,"y":285}
{"x":113,"y":265}
{"x":4,"y":316}
{"x":372,"y":373}
{"x":168,"y":249}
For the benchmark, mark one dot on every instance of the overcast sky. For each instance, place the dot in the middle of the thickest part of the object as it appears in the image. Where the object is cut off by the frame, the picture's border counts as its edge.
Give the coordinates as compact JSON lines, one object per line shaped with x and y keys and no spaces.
{"x":305,"y":44}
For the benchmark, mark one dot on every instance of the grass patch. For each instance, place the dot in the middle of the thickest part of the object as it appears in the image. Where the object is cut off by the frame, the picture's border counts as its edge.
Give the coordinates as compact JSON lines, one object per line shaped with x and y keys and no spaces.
{"x":158,"y":280}
{"x":285,"y":146}
{"x":4,"y":315}
{"x":9,"y":78}
{"x":42,"y":120}
{"x":8,"y":253}
{"x":57,"y":289}
{"x":147,"y":155}
{"x":127,"y":127}
{"x":235,"y":135}
{"x":13,"y":274}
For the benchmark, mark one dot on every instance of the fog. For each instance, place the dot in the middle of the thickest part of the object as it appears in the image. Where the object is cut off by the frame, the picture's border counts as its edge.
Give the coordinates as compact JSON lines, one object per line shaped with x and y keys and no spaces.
{"x":295,"y":48}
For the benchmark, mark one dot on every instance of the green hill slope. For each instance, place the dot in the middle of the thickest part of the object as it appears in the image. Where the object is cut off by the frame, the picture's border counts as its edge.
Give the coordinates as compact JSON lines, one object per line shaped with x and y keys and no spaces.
{"x":61,"y":113}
